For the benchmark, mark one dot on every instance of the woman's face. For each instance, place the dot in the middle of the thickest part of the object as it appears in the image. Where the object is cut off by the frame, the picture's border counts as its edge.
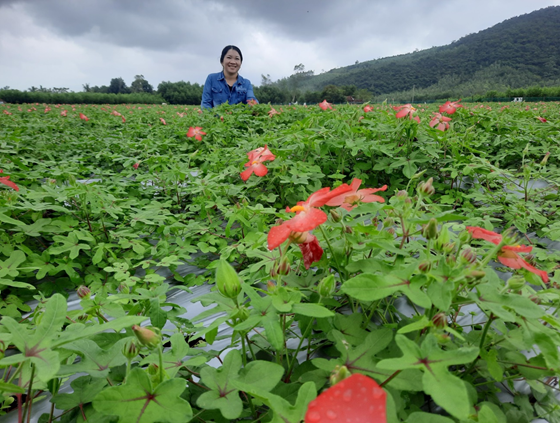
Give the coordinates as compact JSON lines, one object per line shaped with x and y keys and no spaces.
{"x":231,"y":62}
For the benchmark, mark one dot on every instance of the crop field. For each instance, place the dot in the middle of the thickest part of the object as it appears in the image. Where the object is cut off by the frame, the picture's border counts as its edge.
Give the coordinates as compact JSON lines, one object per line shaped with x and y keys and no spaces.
{"x":415,"y":245}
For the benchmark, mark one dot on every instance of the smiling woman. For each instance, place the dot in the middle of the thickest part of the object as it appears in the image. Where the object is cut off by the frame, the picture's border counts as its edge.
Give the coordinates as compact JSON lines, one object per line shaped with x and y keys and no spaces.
{"x":227,"y":85}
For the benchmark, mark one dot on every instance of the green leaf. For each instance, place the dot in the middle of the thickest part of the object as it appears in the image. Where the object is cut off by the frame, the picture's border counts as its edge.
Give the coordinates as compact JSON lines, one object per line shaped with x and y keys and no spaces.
{"x":10,"y":388}
{"x":311,"y":310}
{"x":273,"y":331}
{"x":95,"y":361}
{"x":448,"y":391}
{"x":222,"y":395}
{"x":9,"y":266}
{"x":421,"y":417}
{"x":260,"y":375}
{"x":138,"y":402}
{"x":85,"y":390}
{"x":6,"y":219}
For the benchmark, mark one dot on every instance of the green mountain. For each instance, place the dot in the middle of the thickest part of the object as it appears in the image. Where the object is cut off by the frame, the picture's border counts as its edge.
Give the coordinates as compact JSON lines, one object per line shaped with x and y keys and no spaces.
{"x":519,"y":52}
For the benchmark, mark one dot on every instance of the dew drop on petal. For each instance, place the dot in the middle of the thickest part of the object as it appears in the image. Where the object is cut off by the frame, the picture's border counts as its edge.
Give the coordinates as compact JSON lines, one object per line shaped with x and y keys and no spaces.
{"x":331,"y":415}
{"x":314,"y":417}
{"x":377,"y":393}
{"x":347,"y":396}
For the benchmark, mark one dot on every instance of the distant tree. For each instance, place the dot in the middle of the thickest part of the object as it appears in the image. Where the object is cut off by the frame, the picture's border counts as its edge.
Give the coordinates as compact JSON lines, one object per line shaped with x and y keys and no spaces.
{"x":265,"y":79}
{"x":348,"y":90}
{"x":118,"y":86}
{"x":140,"y":85}
{"x":86,"y":87}
{"x":333,"y":94}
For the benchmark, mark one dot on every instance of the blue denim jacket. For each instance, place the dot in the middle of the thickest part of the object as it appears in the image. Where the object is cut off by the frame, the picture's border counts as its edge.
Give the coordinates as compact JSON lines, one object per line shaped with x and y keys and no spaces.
{"x":216,"y":91}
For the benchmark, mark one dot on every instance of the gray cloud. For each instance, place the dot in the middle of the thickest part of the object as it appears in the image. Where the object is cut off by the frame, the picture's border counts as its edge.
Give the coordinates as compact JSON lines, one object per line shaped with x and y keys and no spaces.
{"x":70,"y":42}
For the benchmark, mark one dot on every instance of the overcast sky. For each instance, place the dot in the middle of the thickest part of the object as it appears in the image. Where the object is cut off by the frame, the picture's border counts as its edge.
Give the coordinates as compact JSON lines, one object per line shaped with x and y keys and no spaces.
{"x":67,"y":43}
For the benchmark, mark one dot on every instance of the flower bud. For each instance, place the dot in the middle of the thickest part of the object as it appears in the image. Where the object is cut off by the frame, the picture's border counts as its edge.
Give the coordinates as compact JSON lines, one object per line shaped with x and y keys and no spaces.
{"x":430,"y":230}
{"x":280,"y":267}
{"x":271,"y":287}
{"x":149,"y":337}
{"x":448,"y":248}
{"x":440,"y":320}
{"x":227,"y":281}
{"x":425,"y":189}
{"x":83,"y":292}
{"x":468,"y":255}
{"x":509,"y":236}
{"x":425,"y":266}
{"x":327,"y":286}
{"x":242,"y":313}
{"x":443,"y":237}
{"x":123,"y":288}
{"x":535,"y":298}
{"x":391,"y":231}
{"x":451,"y":260}
{"x":442,"y":338}
{"x":402,"y":194}
{"x":515,"y":283}
{"x":476,"y":274}
{"x":545,"y":158}
{"x":336,"y":216}
{"x":130,"y":349}
{"x":153,"y":369}
{"x":388,"y":222}
{"x":338,"y":374}
{"x":348,"y":229}
{"x":298,"y":237}
{"x":464,"y":237}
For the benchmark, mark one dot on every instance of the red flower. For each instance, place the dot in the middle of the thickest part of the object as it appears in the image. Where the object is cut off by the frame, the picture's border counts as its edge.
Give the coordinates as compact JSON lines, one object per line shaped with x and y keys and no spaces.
{"x":353,"y":198}
{"x":406,"y":110}
{"x":123,"y":119}
{"x":163,"y":121}
{"x":63,"y":113}
{"x":357,"y":398}
{"x":311,"y":250}
{"x":6,"y":112}
{"x":440,"y":122}
{"x":450,"y":107}
{"x":543,"y":120}
{"x":6,"y":181}
{"x":83,"y":117}
{"x":368,"y":108}
{"x":254,"y":165}
{"x":115,"y":113}
{"x":135,"y":165}
{"x":307,"y":217}
{"x":508,"y":254}
{"x":273,"y":112}
{"x":325,"y":105}
{"x":195,"y":132}
{"x":252,"y":102}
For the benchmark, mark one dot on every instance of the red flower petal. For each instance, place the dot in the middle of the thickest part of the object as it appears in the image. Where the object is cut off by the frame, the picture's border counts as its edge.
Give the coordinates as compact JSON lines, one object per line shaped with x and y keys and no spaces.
{"x":311,"y":251}
{"x":277,"y":235}
{"x":307,"y":220}
{"x":355,"y":399}
{"x":480,"y":233}
{"x":511,"y":259}
{"x":6,"y":181}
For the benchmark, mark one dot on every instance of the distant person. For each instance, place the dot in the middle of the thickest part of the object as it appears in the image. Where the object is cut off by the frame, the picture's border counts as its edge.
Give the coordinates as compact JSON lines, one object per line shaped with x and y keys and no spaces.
{"x":227,"y":85}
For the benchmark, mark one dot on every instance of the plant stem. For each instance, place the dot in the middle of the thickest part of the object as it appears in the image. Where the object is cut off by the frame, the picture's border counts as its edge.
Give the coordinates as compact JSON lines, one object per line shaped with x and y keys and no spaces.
{"x":29,"y":396}
{"x":160,"y":354}
{"x":340,"y":270}
{"x":484,"y":332}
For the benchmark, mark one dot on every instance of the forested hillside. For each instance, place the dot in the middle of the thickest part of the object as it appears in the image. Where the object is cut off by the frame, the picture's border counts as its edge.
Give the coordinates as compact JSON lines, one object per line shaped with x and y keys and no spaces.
{"x":518,"y":52}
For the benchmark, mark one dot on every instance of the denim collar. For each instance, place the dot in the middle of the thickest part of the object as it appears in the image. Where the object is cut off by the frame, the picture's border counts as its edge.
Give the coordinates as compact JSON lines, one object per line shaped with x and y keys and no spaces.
{"x":223,"y":77}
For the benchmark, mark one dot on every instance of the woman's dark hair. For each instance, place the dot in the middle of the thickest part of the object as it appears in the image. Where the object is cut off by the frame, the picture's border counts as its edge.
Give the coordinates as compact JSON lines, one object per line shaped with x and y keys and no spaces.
{"x":228,"y":48}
